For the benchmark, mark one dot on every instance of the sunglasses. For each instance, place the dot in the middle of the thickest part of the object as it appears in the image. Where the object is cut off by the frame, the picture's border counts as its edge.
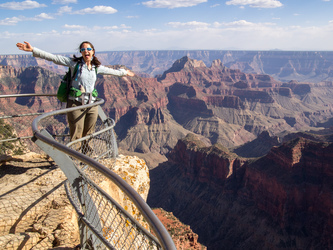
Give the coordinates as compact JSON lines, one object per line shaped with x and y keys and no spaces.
{"x":84,"y":49}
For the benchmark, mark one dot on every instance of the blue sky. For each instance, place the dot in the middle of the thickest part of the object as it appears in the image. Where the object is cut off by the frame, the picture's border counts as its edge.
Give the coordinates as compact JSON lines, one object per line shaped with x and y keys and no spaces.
{"x":58,"y":26}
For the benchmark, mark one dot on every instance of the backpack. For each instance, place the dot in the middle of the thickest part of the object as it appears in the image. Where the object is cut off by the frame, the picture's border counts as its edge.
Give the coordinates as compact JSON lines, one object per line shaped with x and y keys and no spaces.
{"x":65,"y":84}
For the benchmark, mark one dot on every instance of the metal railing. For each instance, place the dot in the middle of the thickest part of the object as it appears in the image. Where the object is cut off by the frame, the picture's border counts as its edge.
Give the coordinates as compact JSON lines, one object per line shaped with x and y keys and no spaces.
{"x":15,"y":124}
{"x":103,"y":223}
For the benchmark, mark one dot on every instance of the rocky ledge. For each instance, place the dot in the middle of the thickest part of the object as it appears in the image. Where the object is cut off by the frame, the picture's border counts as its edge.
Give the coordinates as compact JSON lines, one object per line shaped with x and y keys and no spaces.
{"x":35,"y":212}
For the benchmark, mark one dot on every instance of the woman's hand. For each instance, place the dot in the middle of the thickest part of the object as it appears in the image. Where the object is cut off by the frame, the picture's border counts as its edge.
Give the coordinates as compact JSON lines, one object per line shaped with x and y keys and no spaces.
{"x":25,"y":46}
{"x":130,"y":73}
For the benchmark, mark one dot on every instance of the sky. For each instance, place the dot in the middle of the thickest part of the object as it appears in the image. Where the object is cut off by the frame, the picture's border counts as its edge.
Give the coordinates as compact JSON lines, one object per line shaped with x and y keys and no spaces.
{"x":59,"y":26}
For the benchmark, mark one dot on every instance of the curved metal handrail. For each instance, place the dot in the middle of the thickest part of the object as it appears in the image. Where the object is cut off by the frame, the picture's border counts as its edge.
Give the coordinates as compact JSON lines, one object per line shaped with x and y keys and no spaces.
{"x":25,"y":95}
{"x":156,"y":225}
{"x":20,"y":115}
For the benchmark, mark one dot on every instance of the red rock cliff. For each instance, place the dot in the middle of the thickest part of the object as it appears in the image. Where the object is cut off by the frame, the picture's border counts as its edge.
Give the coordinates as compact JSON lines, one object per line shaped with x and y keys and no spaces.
{"x":293,"y":185}
{"x":284,"y":195}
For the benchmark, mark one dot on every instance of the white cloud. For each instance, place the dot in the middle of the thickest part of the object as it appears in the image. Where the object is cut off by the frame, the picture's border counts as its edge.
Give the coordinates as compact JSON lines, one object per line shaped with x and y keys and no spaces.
{"x":96,"y":28}
{"x":43,"y":16}
{"x":193,"y":24}
{"x":171,"y":4}
{"x":215,"y":5}
{"x":244,"y":26}
{"x":256,"y":3}
{"x":64,"y":9}
{"x":27,"y":4}
{"x":67,"y":26}
{"x":7,"y":35}
{"x":124,"y":26}
{"x":96,"y":10}
{"x":150,"y":30}
{"x":240,"y":34}
{"x":106,"y":27}
{"x":63,"y":1}
{"x":10,"y":21}
{"x":115,"y":27}
{"x":119,"y":33}
{"x":241,"y":23}
{"x":15,"y":20}
{"x":69,"y":33}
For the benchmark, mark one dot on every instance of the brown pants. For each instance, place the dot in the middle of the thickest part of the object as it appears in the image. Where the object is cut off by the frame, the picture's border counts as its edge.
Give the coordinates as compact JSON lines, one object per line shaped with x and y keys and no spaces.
{"x":81,"y":122}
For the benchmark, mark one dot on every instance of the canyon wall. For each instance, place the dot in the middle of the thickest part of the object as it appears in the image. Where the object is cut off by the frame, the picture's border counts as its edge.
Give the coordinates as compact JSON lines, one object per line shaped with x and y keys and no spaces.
{"x":280,"y":201}
{"x":311,"y":66}
{"x":246,"y":179}
{"x":222,"y":104}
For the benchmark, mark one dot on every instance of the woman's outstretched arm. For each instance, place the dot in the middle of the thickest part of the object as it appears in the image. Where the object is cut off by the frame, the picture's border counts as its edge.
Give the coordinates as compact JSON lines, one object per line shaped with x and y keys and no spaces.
{"x":25,"y":46}
{"x":57,"y":59}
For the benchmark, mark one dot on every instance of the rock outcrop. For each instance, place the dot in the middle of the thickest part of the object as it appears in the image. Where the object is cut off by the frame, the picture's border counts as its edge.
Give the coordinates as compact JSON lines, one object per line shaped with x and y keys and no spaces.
{"x":182,"y":235}
{"x":35,"y":212}
{"x":281,"y":200}
{"x":212,"y":165}
{"x":292,"y":184}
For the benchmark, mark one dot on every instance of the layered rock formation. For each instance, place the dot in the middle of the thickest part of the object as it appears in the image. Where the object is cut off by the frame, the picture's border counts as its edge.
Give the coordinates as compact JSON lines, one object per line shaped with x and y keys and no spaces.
{"x":282,"y":200}
{"x":224,"y":105}
{"x":311,"y":66}
{"x":181,"y":234}
{"x":227,"y":200}
{"x":243,"y":105}
{"x":28,"y":80}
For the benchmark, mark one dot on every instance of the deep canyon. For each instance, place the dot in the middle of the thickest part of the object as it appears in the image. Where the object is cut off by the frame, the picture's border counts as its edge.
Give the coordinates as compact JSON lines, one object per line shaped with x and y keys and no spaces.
{"x":243,"y":139}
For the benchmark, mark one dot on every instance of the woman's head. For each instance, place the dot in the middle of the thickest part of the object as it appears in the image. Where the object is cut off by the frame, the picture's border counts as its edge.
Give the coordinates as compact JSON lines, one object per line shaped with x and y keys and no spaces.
{"x":87,"y":51}
{"x":86,"y":44}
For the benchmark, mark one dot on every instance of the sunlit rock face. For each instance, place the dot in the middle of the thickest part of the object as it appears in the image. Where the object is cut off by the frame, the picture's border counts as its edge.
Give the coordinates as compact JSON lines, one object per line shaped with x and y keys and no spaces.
{"x":35,"y":211}
{"x":223,"y":104}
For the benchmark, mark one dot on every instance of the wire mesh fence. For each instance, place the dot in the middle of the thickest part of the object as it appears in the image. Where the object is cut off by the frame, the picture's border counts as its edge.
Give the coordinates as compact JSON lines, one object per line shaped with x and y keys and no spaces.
{"x":15,"y":125}
{"x":112,"y":226}
{"x":16,"y":115}
{"x":15,"y":136}
{"x":104,"y":224}
{"x":100,"y":145}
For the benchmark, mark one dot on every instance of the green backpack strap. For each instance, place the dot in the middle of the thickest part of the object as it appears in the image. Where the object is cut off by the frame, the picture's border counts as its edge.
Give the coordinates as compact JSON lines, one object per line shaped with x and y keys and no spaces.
{"x":95,"y":93}
{"x":76,"y":73}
